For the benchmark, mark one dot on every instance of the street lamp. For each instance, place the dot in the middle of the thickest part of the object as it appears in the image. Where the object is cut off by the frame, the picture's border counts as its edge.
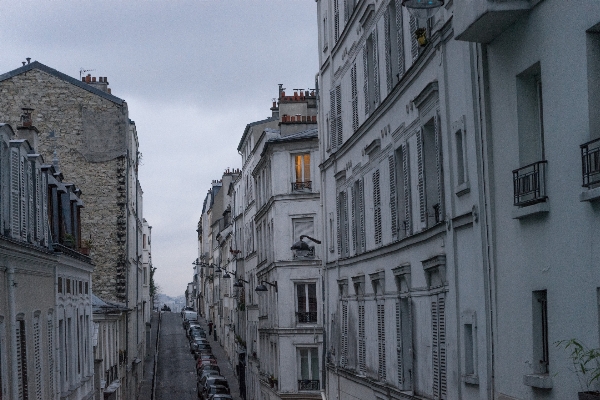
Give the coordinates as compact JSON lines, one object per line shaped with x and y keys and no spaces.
{"x":262,"y":288}
{"x":422,"y":9}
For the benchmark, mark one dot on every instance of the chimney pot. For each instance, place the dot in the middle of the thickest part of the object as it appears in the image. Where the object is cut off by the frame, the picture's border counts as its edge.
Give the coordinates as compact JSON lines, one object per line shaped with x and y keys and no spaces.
{"x":94,"y":79}
{"x":88,"y":78}
{"x":23,"y":62}
{"x":108,"y":90}
{"x":28,"y":60}
{"x":83,"y":79}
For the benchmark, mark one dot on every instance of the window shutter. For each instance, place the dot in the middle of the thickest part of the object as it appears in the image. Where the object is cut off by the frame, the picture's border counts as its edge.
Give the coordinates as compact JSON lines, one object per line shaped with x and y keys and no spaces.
{"x":346,"y":11}
{"x":400,"y":37}
{"x":439,"y":166}
{"x":3,"y":185}
{"x":381,"y":340}
{"x":421,"y":179}
{"x":336,"y":20}
{"x":442,"y":344}
{"x":393,"y":195}
{"x":387,"y":45}
{"x":37,"y":358}
{"x":354,"y":98}
{"x":414,"y":45}
{"x":344,"y":355}
{"x":366,"y":78}
{"x":354,"y":224}
{"x":375,"y":68}
{"x":50,"y":334}
{"x":361,"y":339}
{"x":338,"y":107}
{"x":15,"y":194}
{"x":24,"y":209}
{"x":346,"y":233}
{"x":339,"y":230}
{"x":21,"y":361}
{"x":399,"y":355}
{"x":377,"y":206}
{"x":406,"y":173}
{"x":435,"y":349}
{"x":361,"y":200}
{"x":38,"y":205}
{"x":333,"y":120}
{"x":30,"y":203}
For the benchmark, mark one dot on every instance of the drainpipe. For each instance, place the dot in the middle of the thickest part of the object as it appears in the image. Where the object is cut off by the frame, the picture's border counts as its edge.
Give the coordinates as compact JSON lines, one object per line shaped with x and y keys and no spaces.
{"x":137,"y":258}
{"x":12,"y":327}
{"x":126,"y":265}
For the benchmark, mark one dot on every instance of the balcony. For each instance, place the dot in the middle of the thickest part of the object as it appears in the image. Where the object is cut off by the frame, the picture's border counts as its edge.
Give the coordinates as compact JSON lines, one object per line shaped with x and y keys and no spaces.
{"x":307,"y":317}
{"x":482,"y":21}
{"x":590,"y":163}
{"x":301,"y":186}
{"x":529,"y":184}
{"x":306,"y":384}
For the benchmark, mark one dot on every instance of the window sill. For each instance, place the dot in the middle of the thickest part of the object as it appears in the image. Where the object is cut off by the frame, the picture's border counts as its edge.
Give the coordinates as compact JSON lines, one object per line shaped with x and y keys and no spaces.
{"x":590,"y":194}
{"x":470,"y":379}
{"x":463,"y":188}
{"x":534,"y":209}
{"x":538,"y":381}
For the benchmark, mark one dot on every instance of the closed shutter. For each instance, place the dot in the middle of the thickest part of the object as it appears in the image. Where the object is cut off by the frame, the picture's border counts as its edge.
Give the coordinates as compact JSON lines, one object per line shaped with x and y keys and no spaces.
{"x":440,"y":168}
{"x":400,"y":38}
{"x":333,"y":121}
{"x":22,"y":388}
{"x":435,"y":350}
{"x":336,"y":20}
{"x":23,"y":197}
{"x":346,"y":12}
{"x":406,"y":177}
{"x":37,"y":356}
{"x":414,"y":45}
{"x":366,"y":78}
{"x":375,"y":68}
{"x":381,"y":340}
{"x":344,"y":355}
{"x":362,"y":352}
{"x":2,"y":199}
{"x":393,"y":195}
{"x":38,"y":205}
{"x":399,"y":353}
{"x":353,"y":193}
{"x":361,"y":199}
{"x":438,"y":318}
{"x":50,"y":334}
{"x":387,"y":48}
{"x":421,"y":180}
{"x":377,"y":207}
{"x":15,"y":193}
{"x":346,"y":233}
{"x":339,"y":228}
{"x":338,"y":108}
{"x":354,"y":98}
{"x":30,"y":203}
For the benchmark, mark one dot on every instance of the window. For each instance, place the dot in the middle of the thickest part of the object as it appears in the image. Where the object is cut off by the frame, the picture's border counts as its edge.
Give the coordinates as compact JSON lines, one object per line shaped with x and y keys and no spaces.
{"x":336,"y":20}
{"x":394,"y":48}
{"x":37,"y":357}
{"x":21,"y":350}
{"x":362,"y":347}
{"x":336,"y":132}
{"x":50,"y":339}
{"x":404,"y":343}
{"x":371,"y":73}
{"x":342,"y":214}
{"x":349,"y":6}
{"x":306,"y":295}
{"x":541,"y":359}
{"x":461,"y":165}
{"x":60,"y":285}
{"x":344,"y":334}
{"x":68,"y":286}
{"x":354,"y":87}
{"x":377,"y":207}
{"x":429,"y":174}
{"x":87,"y":288}
{"x":308,"y":378}
{"x":358,"y":216}
{"x":381,"y":341}
{"x":302,"y":172}
{"x":325,"y":27}
{"x":469,"y":349}
{"x":438,"y":345}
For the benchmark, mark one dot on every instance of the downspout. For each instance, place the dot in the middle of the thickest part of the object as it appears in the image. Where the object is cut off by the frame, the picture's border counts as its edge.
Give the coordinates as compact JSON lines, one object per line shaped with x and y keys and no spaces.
{"x":127,"y":312}
{"x":137,"y":259}
{"x":12,"y":327}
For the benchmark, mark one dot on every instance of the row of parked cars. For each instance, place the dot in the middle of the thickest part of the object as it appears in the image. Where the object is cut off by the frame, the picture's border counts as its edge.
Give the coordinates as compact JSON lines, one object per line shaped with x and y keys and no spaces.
{"x":210,"y":384}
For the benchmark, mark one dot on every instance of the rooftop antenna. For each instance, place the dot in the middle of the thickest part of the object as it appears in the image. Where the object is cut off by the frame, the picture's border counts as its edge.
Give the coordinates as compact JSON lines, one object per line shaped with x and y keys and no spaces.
{"x":83,"y":71}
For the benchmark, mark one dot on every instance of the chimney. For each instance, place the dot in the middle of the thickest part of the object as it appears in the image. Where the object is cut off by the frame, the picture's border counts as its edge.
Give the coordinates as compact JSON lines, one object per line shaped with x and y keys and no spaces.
{"x":100,"y":84}
{"x":26,"y":130}
{"x":28,"y":60}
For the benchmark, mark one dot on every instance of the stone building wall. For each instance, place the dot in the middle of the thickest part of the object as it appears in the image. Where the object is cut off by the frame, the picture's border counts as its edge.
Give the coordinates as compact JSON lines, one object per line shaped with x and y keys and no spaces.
{"x":90,"y":145}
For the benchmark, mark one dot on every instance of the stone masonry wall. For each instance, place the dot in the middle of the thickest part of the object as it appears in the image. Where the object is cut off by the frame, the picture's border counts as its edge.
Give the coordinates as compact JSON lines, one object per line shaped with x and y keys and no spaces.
{"x":79,"y":118}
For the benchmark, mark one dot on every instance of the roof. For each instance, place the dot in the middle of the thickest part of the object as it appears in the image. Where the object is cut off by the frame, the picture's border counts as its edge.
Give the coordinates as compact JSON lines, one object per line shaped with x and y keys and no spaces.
{"x":64,"y":77}
{"x":100,"y":306}
{"x":250,"y":125}
{"x":308,"y":134}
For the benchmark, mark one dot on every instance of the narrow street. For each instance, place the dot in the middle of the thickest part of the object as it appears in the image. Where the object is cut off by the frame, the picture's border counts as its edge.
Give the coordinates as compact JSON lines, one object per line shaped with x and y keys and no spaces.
{"x":176,"y":372}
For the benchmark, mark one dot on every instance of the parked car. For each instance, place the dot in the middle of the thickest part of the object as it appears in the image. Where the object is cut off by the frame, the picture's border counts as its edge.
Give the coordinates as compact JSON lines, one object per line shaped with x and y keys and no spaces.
{"x":215,"y":389}
{"x":195,"y":344}
{"x":200,"y":368}
{"x":202,"y":348}
{"x":206,"y":381}
{"x":201,"y":363}
{"x":220,"y":396}
{"x":208,"y":372}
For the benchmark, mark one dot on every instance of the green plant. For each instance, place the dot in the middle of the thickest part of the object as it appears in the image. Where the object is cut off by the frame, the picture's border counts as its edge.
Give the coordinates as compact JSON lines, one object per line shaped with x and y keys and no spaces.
{"x":87,"y":243}
{"x":586,"y":362}
{"x":69,"y":240}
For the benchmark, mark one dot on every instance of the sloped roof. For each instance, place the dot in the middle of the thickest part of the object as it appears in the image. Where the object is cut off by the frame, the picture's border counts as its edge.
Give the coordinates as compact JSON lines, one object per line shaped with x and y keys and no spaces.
{"x":64,"y":77}
{"x":309,"y":134}
{"x":250,"y":125}
{"x":100,"y":306}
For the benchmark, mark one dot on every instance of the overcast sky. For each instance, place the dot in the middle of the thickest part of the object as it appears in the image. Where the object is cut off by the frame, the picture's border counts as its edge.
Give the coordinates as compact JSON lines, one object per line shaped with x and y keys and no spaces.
{"x":193,"y":73}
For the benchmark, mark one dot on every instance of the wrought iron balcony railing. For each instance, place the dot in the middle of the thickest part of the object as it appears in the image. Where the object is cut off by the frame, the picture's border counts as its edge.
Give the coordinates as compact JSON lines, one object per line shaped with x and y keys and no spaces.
{"x":306,"y":185}
{"x":307,"y":316}
{"x":529,"y":183}
{"x":306,"y":384}
{"x":590,"y":162}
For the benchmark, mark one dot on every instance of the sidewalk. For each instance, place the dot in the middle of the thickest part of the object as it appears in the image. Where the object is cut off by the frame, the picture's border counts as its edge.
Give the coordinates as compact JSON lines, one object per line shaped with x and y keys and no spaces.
{"x":145,"y":392}
{"x":223,"y":362}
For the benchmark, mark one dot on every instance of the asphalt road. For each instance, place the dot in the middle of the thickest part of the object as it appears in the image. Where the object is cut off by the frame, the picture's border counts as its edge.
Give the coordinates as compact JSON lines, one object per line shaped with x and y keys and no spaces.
{"x":176,"y":371}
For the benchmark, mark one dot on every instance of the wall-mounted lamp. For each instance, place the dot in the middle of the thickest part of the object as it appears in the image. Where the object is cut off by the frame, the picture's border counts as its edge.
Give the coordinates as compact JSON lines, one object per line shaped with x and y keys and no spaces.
{"x":422,"y":9}
{"x":263,"y":288}
{"x":302,"y":245}
{"x":239,"y":284}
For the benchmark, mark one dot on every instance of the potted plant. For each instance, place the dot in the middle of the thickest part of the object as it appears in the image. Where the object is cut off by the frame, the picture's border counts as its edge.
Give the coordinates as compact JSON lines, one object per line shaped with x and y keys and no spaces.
{"x":586,"y":366}
{"x":421,"y":34}
{"x":272,"y":381}
{"x":86,"y":246}
{"x":69,"y":240}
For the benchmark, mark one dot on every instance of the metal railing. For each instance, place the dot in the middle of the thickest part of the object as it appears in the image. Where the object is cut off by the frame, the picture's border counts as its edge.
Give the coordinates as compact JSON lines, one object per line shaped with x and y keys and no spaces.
{"x":529,"y":184}
{"x":306,"y":185}
{"x":590,"y":162}
{"x":307,"y":316}
{"x":306,"y":384}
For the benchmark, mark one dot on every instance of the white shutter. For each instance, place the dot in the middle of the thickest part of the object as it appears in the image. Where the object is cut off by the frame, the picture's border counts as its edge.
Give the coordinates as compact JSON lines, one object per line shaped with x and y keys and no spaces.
{"x":366,"y":78}
{"x":362,"y":353}
{"x":30,"y":203}
{"x":333,"y":120}
{"x":37,"y":357}
{"x":38,"y":205}
{"x":50,"y":334}
{"x":393,"y":195}
{"x":406,"y":173}
{"x":375,"y":68}
{"x":400,"y":37}
{"x":377,"y":207}
{"x":23,"y":197}
{"x":336,"y":20}
{"x":399,"y":354}
{"x":435,"y":349}
{"x":45,"y":222}
{"x":22,"y":385}
{"x":361,"y":199}
{"x":346,"y":12}
{"x":442,"y":344}
{"x":387,"y":46}
{"x":414,"y":45}
{"x":338,"y":108}
{"x":344,"y":350}
{"x":354,"y":224}
{"x":354,"y":98}
{"x":346,"y":233}
{"x":15,"y":193}
{"x":440,"y":167}
{"x":381,"y":341}
{"x":339,"y":229}
{"x":421,"y":180}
